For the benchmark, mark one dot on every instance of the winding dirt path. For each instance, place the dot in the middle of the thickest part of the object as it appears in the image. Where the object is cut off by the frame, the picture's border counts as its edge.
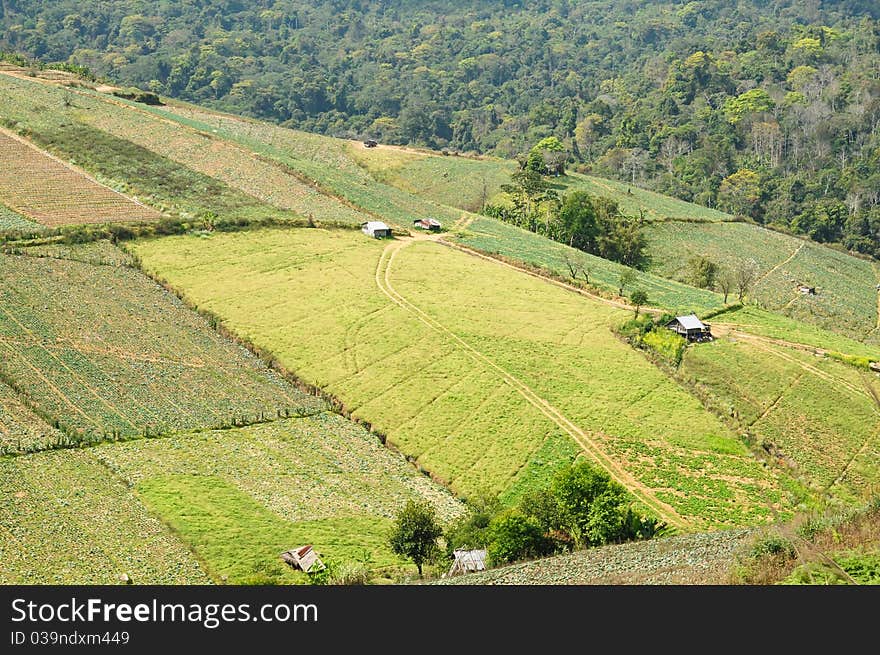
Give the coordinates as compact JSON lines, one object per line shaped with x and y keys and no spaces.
{"x":584,"y":439}
{"x":780,"y":264}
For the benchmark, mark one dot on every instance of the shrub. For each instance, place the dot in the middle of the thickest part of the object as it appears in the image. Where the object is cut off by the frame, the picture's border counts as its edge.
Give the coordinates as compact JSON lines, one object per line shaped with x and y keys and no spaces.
{"x":514,"y":536}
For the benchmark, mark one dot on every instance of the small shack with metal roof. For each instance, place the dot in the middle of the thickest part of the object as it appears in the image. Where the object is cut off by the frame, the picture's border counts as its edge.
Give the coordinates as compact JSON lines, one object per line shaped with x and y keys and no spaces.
{"x":431,"y":224}
{"x":690,"y":327}
{"x":304,"y":558}
{"x":468,"y":561}
{"x":376,"y":229}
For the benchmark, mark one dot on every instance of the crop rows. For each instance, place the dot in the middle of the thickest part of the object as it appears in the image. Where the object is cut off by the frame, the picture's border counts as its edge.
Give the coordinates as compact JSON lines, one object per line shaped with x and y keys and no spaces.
{"x":13,"y":222}
{"x":815,"y":414}
{"x":21,"y":429}
{"x":328,"y":161}
{"x":106,"y":353}
{"x":240,"y":497}
{"x":449,"y":398}
{"x":846,"y":295}
{"x":64,"y":519}
{"x":48,"y":192}
{"x":495,"y":237}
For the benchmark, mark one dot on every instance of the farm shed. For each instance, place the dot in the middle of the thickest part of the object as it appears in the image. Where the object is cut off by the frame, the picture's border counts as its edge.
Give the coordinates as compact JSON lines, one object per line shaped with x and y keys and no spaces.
{"x":468,"y":561}
{"x":376,"y":229}
{"x":370,"y":143}
{"x":805,"y":290}
{"x":304,"y":558}
{"x":427,"y":224}
{"x":690,"y":327}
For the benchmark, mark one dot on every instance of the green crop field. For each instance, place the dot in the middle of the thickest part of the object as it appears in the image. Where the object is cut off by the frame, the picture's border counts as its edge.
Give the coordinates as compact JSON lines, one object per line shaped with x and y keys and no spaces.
{"x":327,"y":161}
{"x":846,"y":295}
{"x":239,"y":498}
{"x":495,"y":237}
{"x":486,"y":390}
{"x":758,"y":321}
{"x":11,"y":221}
{"x":20,"y":429}
{"x":467,"y":183}
{"x":64,"y":519}
{"x":821,"y":416}
{"x":103,"y":352}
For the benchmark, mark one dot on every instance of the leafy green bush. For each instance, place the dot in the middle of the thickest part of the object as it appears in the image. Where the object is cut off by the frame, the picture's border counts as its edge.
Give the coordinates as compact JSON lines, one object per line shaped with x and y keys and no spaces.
{"x":514,"y":536}
{"x":667,"y":344}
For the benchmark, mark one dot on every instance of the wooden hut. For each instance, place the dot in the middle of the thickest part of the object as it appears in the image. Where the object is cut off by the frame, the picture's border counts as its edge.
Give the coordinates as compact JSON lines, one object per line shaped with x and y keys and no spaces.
{"x":468,"y":561}
{"x":304,"y":558}
{"x":691,"y":328}
{"x":376,"y":229}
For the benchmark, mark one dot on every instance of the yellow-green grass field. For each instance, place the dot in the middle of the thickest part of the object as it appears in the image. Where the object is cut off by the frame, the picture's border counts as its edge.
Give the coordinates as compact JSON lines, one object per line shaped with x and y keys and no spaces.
{"x":238,"y":498}
{"x":846,"y":295}
{"x":65,"y":519}
{"x":468,"y":182}
{"x":820,"y":416}
{"x":216,"y":506}
{"x":489,"y":378}
{"x":102,"y":352}
{"x":495,"y":237}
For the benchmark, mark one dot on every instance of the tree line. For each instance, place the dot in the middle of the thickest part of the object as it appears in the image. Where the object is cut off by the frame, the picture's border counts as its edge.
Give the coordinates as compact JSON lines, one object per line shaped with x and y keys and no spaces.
{"x":768,"y":109}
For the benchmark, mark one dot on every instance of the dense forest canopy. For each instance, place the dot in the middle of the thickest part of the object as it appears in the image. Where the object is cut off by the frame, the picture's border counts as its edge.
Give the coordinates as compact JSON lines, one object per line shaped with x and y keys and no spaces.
{"x":767,"y":109}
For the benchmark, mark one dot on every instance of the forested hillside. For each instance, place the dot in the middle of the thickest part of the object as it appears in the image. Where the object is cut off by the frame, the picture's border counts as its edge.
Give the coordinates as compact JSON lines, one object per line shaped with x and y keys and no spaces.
{"x":764,"y":109}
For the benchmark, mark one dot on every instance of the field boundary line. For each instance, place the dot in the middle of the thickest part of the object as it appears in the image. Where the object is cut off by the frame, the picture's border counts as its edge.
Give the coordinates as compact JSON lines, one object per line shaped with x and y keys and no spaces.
{"x":664,"y":511}
{"x":77,"y":170}
{"x":570,"y":287}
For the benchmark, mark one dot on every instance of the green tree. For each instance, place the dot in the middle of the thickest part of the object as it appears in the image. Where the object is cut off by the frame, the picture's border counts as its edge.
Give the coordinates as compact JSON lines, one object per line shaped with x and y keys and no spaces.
{"x":514,"y":536}
{"x":415,"y":533}
{"x":740,"y":191}
{"x":626,"y":278}
{"x":702,"y":272}
{"x":639,"y":298}
{"x":577,"y":221}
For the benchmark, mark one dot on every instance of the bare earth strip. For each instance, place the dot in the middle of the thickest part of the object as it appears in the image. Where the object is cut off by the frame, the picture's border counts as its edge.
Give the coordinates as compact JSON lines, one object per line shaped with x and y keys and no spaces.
{"x":51,"y":192}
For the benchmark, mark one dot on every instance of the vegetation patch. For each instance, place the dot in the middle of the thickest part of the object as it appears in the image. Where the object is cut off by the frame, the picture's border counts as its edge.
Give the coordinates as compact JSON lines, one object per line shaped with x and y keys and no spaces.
{"x":104,"y":354}
{"x":417,"y":340}
{"x":67,"y":520}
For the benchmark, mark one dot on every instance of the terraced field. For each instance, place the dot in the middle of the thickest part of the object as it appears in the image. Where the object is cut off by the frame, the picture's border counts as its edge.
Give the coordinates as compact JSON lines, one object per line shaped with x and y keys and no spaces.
{"x":329,"y":162}
{"x":13,"y":222}
{"x":20,"y":429}
{"x":494,"y":237}
{"x":198,"y":151}
{"x":846,"y":295}
{"x":485,"y":390}
{"x":820,"y":417}
{"x":240,"y":497}
{"x":104,"y":352}
{"x":52,"y":193}
{"x":65,"y":520}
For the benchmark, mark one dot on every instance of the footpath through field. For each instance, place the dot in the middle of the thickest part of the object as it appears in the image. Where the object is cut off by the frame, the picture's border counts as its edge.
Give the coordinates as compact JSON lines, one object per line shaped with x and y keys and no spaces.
{"x":584,"y":439}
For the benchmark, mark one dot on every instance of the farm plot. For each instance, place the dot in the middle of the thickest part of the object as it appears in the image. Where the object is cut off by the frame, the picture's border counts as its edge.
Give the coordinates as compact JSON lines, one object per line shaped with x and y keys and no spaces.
{"x":13,"y":222}
{"x":99,"y":253}
{"x":240,"y":497}
{"x":756,"y":321}
{"x":496,"y":237}
{"x":479,"y":385}
{"x":327,"y":161}
{"x":463,"y":182}
{"x":20,"y":429}
{"x":64,"y":519}
{"x":105,"y":353}
{"x":821,"y":416}
{"x":846,"y":298}
{"x":51,"y":193}
{"x":634,"y":201}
